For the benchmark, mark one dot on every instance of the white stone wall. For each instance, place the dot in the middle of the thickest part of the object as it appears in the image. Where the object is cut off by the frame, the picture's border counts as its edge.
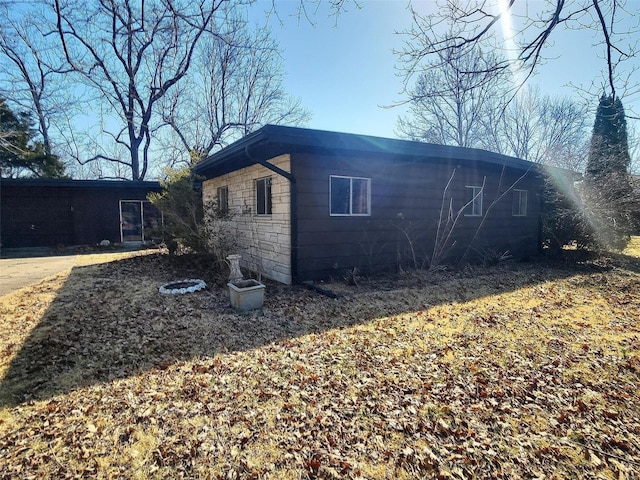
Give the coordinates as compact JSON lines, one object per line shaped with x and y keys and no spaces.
{"x":265,"y":240}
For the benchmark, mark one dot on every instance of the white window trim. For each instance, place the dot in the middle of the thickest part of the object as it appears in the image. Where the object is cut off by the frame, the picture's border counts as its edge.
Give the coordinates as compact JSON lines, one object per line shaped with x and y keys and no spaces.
{"x":368,"y":180}
{"x":526,"y":202}
{"x":476,"y":197}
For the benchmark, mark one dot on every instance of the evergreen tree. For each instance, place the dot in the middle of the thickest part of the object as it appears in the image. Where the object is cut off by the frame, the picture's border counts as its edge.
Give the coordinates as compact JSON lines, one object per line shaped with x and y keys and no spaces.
{"x":607,"y":193}
{"x":19,"y":154}
{"x":609,"y":149}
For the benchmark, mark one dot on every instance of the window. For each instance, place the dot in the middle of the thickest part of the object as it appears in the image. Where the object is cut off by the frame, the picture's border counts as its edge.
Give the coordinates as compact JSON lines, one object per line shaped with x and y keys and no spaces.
{"x":349,"y":196}
{"x":263,"y":196}
{"x":519,"y":208}
{"x":474,"y":201}
{"x":138,"y":220}
{"x":223,"y":201}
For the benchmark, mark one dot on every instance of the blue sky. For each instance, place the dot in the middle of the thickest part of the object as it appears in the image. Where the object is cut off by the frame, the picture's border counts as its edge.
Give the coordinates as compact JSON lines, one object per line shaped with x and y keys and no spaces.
{"x":344,"y":69}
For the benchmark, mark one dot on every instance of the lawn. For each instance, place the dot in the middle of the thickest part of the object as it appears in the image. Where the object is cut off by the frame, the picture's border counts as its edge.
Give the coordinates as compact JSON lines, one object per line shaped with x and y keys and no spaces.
{"x":521,"y":370}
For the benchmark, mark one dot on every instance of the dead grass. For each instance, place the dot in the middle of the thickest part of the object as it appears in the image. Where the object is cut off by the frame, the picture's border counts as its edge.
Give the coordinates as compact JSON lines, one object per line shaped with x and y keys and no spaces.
{"x":518,"y":371}
{"x":633,"y":249}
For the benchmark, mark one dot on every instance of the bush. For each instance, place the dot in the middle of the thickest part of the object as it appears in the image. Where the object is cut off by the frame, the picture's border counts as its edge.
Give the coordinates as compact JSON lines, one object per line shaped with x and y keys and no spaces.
{"x":563,"y":222}
{"x":594,"y":215}
{"x":189,"y":225}
{"x":609,"y":205}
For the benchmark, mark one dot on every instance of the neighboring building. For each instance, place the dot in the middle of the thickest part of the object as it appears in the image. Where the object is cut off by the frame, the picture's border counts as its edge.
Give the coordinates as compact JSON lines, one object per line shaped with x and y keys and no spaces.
{"x":311,"y":204}
{"x":55,"y":212}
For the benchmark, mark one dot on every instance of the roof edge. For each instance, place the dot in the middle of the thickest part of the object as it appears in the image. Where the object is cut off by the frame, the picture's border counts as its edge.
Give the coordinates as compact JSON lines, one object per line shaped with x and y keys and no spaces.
{"x":300,"y":138}
{"x":236,"y":147}
{"x":66,"y":182}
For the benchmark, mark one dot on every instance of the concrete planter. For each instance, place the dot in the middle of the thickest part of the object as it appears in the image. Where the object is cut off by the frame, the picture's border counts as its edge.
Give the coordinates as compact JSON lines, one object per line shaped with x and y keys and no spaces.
{"x":246,"y":295}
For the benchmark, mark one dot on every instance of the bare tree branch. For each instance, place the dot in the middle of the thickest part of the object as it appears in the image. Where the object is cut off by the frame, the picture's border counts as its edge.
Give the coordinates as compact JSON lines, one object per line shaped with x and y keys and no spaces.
{"x":463,"y":25}
{"x":133,"y":56}
{"x":33,"y":71}
{"x":450,"y":99}
{"x":235,"y":87}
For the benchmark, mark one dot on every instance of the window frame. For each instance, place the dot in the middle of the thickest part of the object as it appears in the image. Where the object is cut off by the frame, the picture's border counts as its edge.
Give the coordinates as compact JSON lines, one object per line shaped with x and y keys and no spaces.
{"x":222,"y":193}
{"x":351,"y":214}
{"x":477,"y":193}
{"x":268,"y":198}
{"x":520,"y":203}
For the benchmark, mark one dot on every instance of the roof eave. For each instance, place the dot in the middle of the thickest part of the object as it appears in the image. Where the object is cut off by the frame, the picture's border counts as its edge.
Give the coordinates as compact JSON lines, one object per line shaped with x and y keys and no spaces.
{"x":283,"y":139}
{"x":236,"y":149}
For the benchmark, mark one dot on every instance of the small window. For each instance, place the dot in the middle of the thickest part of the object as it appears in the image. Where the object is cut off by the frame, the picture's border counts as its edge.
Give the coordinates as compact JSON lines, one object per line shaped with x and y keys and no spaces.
{"x":474,"y":201}
{"x":223,"y":201}
{"x":349,"y":196}
{"x":263,"y":196}
{"x":519,"y":208}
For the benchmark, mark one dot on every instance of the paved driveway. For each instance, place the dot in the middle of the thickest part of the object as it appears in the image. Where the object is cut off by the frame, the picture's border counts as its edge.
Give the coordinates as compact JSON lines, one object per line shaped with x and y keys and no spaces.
{"x":20,"y":267}
{"x":16,"y":273}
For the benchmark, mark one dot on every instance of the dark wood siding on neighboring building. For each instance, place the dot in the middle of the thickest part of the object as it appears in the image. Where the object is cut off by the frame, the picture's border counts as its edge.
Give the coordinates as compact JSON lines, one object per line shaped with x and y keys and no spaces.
{"x":406,"y":200}
{"x":24,"y":224}
{"x":36,"y":213}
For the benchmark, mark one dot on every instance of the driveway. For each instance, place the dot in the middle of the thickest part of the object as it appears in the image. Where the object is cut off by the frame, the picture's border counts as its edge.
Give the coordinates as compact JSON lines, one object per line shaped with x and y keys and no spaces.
{"x":16,"y":273}
{"x":23,"y":266}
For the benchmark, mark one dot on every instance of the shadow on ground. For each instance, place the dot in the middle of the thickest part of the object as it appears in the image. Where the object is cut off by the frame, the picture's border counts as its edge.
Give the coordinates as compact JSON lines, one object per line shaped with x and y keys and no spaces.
{"x":109,"y":321}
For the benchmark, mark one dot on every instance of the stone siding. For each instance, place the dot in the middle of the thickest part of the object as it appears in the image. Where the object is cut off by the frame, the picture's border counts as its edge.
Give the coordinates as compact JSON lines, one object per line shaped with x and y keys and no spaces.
{"x":265,"y":240}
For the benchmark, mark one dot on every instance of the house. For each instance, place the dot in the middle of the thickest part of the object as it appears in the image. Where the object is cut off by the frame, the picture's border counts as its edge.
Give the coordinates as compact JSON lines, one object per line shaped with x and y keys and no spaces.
{"x":310,"y":204}
{"x":37,"y":212}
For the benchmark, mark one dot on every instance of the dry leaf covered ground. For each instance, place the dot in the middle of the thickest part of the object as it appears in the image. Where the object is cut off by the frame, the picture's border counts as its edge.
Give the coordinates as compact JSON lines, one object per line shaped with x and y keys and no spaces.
{"x":515,"y":371}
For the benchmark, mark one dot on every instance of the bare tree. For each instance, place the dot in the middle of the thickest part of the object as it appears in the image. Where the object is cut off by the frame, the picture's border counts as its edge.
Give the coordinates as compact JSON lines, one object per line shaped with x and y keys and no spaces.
{"x":132,"y":54}
{"x":464,"y":101}
{"x":540,"y":128}
{"x":451,"y":98}
{"x":634,"y":149}
{"x":535,"y":26}
{"x":235,"y":87}
{"x":33,"y":69}
{"x":125,"y":61}
{"x":308,"y":9}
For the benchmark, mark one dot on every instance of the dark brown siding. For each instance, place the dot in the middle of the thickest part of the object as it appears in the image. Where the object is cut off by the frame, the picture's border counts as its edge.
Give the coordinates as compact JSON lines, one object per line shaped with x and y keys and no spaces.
{"x":406,"y":200}
{"x":51,"y":213}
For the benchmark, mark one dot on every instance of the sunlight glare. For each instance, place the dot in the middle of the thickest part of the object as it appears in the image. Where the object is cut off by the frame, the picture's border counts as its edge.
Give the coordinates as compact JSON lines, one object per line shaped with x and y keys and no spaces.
{"x":510,"y":47}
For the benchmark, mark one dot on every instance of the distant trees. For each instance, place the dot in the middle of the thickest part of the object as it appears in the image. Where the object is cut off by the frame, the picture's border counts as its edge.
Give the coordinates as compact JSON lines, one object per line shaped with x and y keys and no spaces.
{"x":125,"y":88}
{"x":519,"y":35}
{"x":234,"y":87}
{"x":451,"y":99}
{"x":522,"y":34}
{"x":20,"y":154}
{"x":539,"y":128}
{"x":462,"y":101}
